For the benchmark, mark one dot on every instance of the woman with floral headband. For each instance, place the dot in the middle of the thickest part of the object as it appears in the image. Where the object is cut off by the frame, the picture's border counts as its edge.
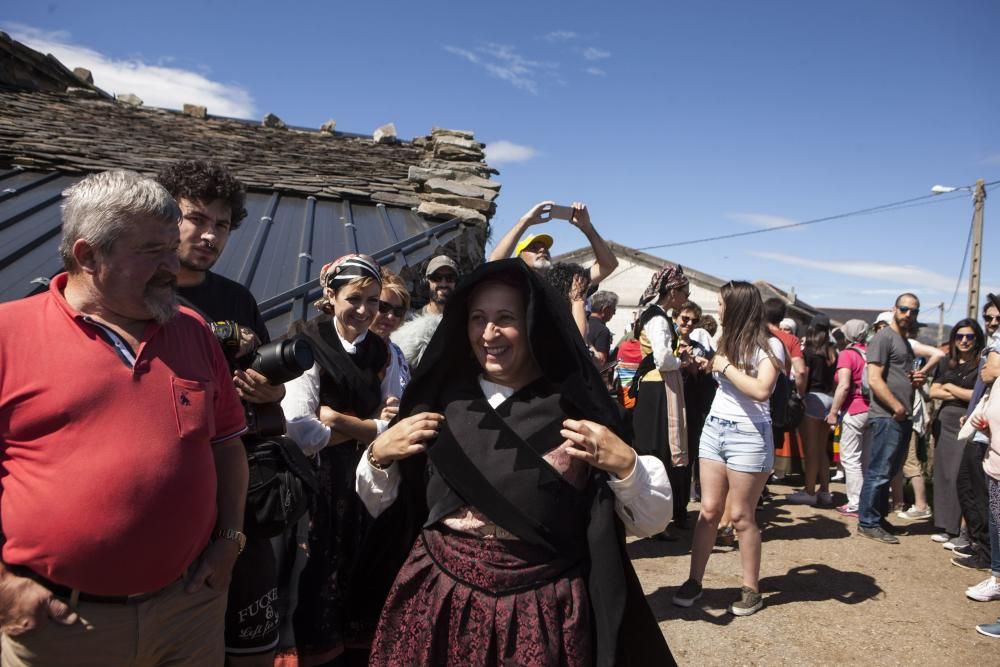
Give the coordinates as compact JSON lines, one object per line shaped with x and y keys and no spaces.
{"x":331,"y":412}
{"x":660,"y":418}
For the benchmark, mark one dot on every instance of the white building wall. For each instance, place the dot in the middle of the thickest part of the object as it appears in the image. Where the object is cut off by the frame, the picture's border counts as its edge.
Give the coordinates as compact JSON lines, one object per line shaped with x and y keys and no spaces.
{"x":630,"y":280}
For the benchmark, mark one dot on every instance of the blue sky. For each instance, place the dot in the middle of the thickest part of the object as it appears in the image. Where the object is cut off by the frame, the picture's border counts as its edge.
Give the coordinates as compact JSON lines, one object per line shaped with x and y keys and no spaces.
{"x":673,"y":121}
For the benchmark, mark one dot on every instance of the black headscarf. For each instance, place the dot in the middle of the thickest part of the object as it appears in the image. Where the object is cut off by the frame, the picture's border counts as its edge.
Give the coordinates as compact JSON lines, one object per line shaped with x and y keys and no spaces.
{"x":625,"y":630}
{"x":560,"y":354}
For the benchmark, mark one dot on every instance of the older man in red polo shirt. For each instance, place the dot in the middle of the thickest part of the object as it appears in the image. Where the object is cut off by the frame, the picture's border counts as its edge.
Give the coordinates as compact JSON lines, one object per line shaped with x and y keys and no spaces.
{"x":123,"y":477}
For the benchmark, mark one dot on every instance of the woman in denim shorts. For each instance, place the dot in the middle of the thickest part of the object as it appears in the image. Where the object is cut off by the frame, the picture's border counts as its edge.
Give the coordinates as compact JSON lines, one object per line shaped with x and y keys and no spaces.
{"x":736,"y":452}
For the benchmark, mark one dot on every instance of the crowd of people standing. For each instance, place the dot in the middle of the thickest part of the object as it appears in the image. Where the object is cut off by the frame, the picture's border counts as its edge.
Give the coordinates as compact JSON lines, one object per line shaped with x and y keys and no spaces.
{"x":452,"y":485}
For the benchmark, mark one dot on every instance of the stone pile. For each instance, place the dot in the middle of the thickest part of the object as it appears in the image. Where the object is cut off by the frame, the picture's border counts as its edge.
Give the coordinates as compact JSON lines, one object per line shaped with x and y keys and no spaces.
{"x":452,"y":179}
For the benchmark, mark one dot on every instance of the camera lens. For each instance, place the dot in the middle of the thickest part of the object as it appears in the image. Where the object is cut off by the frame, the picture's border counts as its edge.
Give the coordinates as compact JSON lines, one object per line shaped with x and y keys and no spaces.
{"x":283,"y":360}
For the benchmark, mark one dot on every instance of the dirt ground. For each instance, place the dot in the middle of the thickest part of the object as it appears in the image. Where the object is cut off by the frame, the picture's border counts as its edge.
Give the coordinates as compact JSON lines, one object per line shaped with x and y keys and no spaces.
{"x":830,"y":597}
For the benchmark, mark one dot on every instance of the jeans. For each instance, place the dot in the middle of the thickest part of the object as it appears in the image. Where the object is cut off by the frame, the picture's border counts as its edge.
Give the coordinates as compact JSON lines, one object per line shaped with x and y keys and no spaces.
{"x":890,"y":442}
{"x":994,"y":525}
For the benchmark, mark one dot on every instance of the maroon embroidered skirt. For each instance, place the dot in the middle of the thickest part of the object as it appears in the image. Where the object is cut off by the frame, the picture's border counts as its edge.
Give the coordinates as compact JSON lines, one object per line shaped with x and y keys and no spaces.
{"x":463,"y":600}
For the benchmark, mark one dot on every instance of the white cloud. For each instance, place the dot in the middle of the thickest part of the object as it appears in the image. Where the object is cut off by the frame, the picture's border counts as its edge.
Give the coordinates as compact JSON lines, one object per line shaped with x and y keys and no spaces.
{"x":505,"y":63}
{"x":499,"y":152}
{"x":592,"y":54}
{"x":595,"y":71}
{"x":905,"y":275}
{"x":156,"y":84}
{"x":560,"y":36}
{"x":762,"y":219}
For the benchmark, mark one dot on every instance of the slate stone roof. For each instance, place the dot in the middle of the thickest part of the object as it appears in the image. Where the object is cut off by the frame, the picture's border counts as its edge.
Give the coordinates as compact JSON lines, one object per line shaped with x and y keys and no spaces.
{"x":313,"y":195}
{"x":58,"y":131}
{"x":51,"y":119}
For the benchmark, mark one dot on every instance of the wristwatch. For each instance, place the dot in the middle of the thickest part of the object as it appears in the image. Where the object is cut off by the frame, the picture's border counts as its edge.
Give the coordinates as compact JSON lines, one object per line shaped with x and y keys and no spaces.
{"x":231,"y":534}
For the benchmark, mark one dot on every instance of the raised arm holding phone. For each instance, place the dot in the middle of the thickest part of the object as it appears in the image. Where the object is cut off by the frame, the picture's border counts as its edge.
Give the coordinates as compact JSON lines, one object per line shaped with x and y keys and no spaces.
{"x":534,"y":249}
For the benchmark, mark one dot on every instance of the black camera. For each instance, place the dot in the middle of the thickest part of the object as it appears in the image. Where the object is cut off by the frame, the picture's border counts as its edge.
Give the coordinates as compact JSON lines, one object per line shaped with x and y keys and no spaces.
{"x":280,"y":361}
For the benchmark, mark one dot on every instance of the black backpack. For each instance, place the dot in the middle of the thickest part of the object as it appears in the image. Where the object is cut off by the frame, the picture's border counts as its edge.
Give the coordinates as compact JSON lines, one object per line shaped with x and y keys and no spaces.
{"x":787,"y":408}
{"x":282,"y":481}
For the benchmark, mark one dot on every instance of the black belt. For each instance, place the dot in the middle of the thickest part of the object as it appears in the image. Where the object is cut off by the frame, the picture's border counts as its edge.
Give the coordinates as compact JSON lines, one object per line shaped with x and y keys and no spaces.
{"x":74,"y":594}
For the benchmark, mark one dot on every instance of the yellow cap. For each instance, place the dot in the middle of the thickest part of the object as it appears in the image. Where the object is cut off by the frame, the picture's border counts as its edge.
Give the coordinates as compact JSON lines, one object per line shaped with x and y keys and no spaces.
{"x":531,"y":238}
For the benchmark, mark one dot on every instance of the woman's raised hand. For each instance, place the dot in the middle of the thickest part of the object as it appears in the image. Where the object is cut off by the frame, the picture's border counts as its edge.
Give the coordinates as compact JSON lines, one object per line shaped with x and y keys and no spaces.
{"x":598,"y":446}
{"x":406,"y":437}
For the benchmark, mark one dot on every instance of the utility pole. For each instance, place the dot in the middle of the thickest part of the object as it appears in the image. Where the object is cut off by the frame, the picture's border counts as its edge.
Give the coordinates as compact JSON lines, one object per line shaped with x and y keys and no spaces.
{"x":978,"y":199}
{"x":941,"y":323}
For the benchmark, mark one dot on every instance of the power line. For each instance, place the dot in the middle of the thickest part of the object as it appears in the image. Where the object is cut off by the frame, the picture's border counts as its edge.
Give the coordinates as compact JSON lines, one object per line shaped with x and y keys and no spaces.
{"x":905,"y":203}
{"x":965,"y":258}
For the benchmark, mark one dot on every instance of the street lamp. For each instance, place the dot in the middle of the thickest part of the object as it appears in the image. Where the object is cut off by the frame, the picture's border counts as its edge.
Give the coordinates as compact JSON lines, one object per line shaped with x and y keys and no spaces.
{"x":978,"y":200}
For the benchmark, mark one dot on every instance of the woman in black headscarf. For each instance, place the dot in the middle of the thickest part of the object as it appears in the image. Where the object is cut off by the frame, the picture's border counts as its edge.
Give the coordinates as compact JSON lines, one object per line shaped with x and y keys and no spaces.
{"x":331,"y":411}
{"x":513,"y":515}
{"x":660,"y":418}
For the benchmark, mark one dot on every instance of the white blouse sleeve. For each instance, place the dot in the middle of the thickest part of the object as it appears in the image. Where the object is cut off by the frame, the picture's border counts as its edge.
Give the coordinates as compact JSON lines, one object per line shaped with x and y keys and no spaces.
{"x":301,"y":408}
{"x":644,"y":500}
{"x":658,"y":333}
{"x":376,"y":488}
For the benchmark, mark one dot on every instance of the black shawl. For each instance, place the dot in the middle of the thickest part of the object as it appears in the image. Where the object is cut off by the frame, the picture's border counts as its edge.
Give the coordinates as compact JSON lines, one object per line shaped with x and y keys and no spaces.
{"x":625,"y":630}
{"x":349,"y":382}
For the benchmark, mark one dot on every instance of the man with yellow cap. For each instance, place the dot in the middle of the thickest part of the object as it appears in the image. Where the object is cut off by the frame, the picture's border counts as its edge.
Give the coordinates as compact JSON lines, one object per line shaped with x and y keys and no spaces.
{"x":534,"y":248}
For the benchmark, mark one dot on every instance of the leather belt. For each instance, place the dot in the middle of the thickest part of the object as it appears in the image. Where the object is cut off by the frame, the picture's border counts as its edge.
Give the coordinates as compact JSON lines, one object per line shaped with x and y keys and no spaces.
{"x":75,"y":595}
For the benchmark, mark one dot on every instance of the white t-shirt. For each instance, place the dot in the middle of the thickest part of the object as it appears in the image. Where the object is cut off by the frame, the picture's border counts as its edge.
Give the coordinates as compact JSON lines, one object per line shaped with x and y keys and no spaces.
{"x":732,"y":404}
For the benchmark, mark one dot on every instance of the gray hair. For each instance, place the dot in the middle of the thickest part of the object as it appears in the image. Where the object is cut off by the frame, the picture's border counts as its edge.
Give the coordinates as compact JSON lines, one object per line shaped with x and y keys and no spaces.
{"x":101,"y":206}
{"x":602,"y":300}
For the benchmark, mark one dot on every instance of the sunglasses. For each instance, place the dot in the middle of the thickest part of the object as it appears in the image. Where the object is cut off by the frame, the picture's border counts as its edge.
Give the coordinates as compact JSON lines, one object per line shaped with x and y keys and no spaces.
{"x":688,"y":320}
{"x":991,"y":318}
{"x":443,"y":277}
{"x":907,"y":309}
{"x":384,"y":308}
{"x":965,"y":337}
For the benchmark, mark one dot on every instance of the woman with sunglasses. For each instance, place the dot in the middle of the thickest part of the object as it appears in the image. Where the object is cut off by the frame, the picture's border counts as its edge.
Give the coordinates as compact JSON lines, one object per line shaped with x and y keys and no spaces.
{"x":737,"y":443}
{"x":699,"y":390}
{"x":331,"y":411}
{"x":953,"y":387}
{"x":660,"y":419}
{"x":394,"y":302}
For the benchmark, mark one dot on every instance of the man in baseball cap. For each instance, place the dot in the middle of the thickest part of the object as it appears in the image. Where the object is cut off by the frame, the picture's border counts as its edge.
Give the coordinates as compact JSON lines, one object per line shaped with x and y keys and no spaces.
{"x":441,"y":275}
{"x":534,"y":248}
{"x":412,"y":338}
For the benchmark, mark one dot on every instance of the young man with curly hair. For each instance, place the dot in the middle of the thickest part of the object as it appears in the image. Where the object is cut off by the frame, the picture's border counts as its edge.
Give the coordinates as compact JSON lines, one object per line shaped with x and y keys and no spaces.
{"x":212,"y":202}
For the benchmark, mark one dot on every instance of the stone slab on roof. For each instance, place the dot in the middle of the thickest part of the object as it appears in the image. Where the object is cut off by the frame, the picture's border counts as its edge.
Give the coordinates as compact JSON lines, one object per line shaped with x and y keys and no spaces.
{"x":53,"y":119}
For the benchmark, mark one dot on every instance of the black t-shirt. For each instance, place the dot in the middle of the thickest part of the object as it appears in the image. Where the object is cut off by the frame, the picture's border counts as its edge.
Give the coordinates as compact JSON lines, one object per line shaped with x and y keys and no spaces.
{"x":598,"y":335}
{"x":962,"y":375}
{"x":822,"y":372}
{"x":223,"y":299}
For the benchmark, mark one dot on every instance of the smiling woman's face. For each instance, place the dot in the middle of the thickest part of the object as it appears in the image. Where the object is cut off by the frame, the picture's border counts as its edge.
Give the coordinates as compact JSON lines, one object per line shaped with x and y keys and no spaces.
{"x":498,"y":335}
{"x":354,"y":308}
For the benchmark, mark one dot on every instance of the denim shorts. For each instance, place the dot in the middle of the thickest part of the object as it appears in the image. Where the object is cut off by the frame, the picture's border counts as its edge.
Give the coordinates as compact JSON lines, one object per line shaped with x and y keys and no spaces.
{"x":742,"y":446}
{"x":817,"y":404}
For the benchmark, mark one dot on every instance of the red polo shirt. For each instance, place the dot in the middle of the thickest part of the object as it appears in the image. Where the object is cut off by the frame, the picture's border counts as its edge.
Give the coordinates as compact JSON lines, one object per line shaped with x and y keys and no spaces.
{"x":107,"y":479}
{"x":791,"y":342}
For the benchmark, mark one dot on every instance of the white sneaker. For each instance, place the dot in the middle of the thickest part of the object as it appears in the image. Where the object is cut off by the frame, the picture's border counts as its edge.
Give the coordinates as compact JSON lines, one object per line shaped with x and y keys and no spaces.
{"x":986,"y":590}
{"x":940,"y":538}
{"x":801,"y":498}
{"x":913,"y":513}
{"x":957,"y":542}
{"x":838,"y":476}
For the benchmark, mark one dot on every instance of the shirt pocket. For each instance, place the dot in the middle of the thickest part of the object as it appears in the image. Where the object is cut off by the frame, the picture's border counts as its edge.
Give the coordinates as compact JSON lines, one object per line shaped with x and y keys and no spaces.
{"x":193,"y":409}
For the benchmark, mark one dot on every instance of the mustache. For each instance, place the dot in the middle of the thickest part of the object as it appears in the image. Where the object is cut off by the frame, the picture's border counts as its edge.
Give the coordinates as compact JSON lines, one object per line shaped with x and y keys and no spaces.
{"x":162,"y":279}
